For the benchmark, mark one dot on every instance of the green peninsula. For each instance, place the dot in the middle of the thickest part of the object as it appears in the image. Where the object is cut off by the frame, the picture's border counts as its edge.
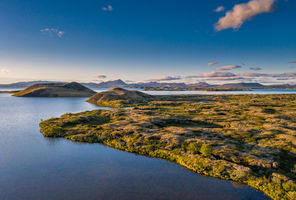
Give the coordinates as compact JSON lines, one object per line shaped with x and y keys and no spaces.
{"x":249,"y":139}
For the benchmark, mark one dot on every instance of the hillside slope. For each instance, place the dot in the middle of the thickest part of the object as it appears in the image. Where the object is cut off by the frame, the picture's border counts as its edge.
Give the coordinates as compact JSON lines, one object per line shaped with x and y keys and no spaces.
{"x":72,"y":89}
{"x":118,"y":97}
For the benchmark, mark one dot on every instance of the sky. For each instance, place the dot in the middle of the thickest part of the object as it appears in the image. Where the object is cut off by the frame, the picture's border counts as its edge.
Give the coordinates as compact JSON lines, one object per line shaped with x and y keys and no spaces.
{"x":148,"y":40}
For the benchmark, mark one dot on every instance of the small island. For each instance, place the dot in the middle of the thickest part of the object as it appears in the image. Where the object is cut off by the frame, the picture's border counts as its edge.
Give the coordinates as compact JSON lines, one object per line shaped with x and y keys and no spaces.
{"x":72,"y":89}
{"x":249,"y":139}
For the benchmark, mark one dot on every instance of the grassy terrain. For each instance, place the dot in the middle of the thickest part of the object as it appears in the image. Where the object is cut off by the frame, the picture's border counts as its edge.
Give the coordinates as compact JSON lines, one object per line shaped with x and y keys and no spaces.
{"x":118,"y":97}
{"x":56,"y":90}
{"x":244,"y":138}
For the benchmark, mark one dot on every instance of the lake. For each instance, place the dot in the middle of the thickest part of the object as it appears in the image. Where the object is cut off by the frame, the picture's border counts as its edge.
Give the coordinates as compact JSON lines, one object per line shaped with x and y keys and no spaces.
{"x":192,"y":92}
{"x":253,"y":91}
{"x":34,"y":167}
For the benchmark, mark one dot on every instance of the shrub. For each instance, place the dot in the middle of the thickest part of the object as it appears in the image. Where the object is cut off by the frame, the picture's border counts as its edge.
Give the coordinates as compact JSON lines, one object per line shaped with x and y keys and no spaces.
{"x":206,"y":150}
{"x":53,"y":131}
{"x":291,"y":195}
{"x":193,"y":147}
{"x":289,"y":186}
{"x":293,"y":170}
{"x":240,"y":172}
{"x":218,"y":170}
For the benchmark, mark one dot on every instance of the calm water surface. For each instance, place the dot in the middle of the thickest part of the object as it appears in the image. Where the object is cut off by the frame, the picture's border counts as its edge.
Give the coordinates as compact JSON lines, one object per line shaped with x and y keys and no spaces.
{"x":188,"y":92}
{"x":253,"y":91}
{"x":33,"y":167}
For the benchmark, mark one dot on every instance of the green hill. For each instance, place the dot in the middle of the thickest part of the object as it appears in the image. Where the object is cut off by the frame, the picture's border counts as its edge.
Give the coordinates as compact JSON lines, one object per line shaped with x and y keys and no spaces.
{"x":118,"y":97}
{"x":72,"y":89}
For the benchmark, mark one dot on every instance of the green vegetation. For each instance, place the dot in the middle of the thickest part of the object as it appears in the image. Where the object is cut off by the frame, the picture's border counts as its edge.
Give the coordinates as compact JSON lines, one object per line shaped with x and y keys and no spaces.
{"x":118,"y":97}
{"x":56,"y":90}
{"x":206,"y":150}
{"x":249,"y":139}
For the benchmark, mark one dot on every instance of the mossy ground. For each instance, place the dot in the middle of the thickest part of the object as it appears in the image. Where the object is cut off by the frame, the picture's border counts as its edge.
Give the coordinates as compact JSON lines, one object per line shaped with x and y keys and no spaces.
{"x":244,"y":138}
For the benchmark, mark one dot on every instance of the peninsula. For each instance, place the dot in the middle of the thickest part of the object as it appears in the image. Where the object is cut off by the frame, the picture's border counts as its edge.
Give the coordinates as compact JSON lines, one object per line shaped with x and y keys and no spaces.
{"x":249,"y":139}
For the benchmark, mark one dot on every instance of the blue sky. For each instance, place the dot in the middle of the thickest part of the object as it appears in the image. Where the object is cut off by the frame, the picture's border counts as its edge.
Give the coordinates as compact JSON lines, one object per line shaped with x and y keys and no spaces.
{"x":148,"y":40}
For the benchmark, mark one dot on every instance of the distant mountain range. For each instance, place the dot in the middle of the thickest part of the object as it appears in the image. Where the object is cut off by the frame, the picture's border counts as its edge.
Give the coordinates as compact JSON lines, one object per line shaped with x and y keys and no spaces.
{"x":25,"y":84}
{"x":107,"y":84}
{"x":240,"y":85}
{"x":157,"y":84}
{"x":122,"y":84}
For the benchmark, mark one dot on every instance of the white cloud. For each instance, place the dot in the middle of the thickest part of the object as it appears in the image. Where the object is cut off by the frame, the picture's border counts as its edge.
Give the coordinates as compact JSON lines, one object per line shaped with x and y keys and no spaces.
{"x":167,"y":78}
{"x":220,"y":9}
{"x":212,"y":63}
{"x":101,"y":76}
{"x":256,"y":68}
{"x":219,"y":77}
{"x":129,"y":81}
{"x":252,"y":74}
{"x":213,"y":74}
{"x":108,"y":8}
{"x":53,"y":31}
{"x":229,"y":79}
{"x":284,"y":75}
{"x":228,"y":67}
{"x":243,"y":12}
{"x":229,"y":75}
{"x":275,"y":75}
{"x":4,"y":70}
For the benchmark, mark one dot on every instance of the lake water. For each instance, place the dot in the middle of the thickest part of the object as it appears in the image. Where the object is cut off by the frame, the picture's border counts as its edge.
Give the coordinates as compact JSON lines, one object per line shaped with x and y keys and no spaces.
{"x":34,"y":167}
{"x":187,"y":92}
{"x":253,"y":91}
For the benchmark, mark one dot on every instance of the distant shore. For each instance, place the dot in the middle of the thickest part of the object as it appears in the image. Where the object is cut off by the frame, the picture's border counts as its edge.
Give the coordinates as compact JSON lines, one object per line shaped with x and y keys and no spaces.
{"x":9,"y":91}
{"x":197,"y":89}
